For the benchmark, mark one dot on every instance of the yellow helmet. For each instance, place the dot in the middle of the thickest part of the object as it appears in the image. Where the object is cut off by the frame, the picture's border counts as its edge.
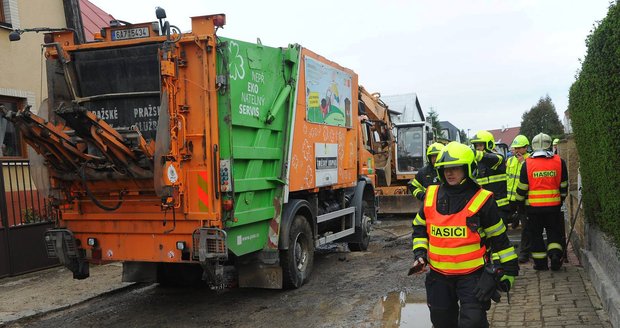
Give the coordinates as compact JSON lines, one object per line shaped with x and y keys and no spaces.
{"x":485,"y":137}
{"x":433,"y":149}
{"x":541,"y":142}
{"x":520,"y":141}
{"x":555,"y":141}
{"x":456,"y":154}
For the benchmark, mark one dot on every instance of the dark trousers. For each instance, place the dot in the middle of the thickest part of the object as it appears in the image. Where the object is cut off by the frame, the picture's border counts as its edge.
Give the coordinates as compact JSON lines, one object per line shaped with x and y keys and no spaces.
{"x":452,"y":302}
{"x":553,"y":224}
{"x":525,"y":246}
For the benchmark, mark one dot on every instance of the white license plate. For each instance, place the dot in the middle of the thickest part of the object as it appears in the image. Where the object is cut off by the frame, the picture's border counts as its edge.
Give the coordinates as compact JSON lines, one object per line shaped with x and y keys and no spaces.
{"x":130,"y":33}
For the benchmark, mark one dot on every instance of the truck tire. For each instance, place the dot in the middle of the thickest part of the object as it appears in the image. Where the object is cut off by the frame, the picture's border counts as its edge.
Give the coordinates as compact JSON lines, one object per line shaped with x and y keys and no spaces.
{"x":298,"y":259}
{"x":364,"y":234}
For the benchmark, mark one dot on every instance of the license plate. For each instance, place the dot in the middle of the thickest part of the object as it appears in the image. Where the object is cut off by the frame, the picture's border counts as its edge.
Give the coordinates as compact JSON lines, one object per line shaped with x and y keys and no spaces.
{"x":130,"y":33}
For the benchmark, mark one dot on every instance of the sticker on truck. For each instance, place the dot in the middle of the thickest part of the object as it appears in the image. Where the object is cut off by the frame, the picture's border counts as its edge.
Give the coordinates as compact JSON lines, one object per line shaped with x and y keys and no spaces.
{"x":326,"y":159}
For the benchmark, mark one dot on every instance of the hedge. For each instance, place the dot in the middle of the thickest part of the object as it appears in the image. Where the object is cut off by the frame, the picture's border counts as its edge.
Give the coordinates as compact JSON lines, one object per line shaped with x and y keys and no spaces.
{"x":594,"y":109}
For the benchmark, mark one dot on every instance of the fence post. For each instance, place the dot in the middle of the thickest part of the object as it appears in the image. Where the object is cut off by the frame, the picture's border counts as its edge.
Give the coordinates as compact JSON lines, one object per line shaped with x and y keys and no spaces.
{"x":4,"y":216}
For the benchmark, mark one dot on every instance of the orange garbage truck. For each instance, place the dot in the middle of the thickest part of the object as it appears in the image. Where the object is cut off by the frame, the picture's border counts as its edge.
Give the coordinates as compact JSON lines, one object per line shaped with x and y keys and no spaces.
{"x":192,"y":155}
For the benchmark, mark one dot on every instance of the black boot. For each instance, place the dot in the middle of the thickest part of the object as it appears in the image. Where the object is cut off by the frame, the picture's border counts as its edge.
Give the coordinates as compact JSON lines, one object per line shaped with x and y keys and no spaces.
{"x":524,"y":257}
{"x":541,"y":265}
{"x":556,"y":262}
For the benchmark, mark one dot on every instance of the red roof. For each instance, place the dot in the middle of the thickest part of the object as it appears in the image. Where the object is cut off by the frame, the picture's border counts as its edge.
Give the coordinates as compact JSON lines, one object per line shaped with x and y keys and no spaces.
{"x":505,"y":135}
{"x":93,"y":19}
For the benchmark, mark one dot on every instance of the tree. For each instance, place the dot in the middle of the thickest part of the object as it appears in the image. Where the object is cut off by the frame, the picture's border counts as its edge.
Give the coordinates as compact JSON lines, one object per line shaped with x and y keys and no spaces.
{"x":542,"y":118}
{"x":434,"y":116}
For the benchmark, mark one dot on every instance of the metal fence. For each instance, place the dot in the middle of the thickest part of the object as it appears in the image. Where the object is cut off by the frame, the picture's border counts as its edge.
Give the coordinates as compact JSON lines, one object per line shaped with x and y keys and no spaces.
{"x":21,"y":202}
{"x":25,"y":215}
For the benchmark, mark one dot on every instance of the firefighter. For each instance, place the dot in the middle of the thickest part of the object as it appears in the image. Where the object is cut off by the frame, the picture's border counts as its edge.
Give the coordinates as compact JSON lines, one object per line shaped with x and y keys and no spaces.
{"x":543,"y":184}
{"x":555,"y":145}
{"x":450,"y":233}
{"x":513,"y":170}
{"x":491,"y":170}
{"x":427,"y":175}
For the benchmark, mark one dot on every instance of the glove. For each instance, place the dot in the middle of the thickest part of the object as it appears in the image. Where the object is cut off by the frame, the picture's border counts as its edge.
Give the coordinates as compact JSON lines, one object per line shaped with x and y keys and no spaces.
{"x":420,"y":262}
{"x":420,"y":196}
{"x":486,"y":287}
{"x":505,"y":283}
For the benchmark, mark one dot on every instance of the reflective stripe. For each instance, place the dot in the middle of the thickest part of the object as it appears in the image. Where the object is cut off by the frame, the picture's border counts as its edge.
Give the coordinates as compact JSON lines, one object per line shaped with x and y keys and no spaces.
{"x":499,"y":162}
{"x":494,"y":256}
{"x":523,"y":186}
{"x":417,"y":221}
{"x":479,"y":155}
{"x":507,"y":255}
{"x":535,"y":199}
{"x":483,"y":195}
{"x":563,"y":184}
{"x":544,"y":192}
{"x":496,"y":229}
{"x":554,"y":246}
{"x":519,"y":197}
{"x":545,"y":200}
{"x":502,"y":202}
{"x":416,"y":192}
{"x":471,"y":264}
{"x":539,"y":255}
{"x":430,"y":196}
{"x":492,"y":179}
{"x":453,"y":250}
{"x":420,"y":243}
{"x":417,"y":184}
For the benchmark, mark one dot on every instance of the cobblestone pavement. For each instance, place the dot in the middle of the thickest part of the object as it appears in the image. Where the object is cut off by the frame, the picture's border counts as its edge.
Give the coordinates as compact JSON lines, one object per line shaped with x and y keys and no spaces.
{"x":563,"y":298}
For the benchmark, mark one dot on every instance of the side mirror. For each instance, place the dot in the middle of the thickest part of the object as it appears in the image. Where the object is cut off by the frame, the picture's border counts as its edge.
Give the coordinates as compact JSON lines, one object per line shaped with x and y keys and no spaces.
{"x":160,"y":13}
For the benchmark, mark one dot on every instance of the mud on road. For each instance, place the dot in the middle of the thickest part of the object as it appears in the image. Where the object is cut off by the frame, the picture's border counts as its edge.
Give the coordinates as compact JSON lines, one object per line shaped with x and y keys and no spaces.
{"x":347,"y":289}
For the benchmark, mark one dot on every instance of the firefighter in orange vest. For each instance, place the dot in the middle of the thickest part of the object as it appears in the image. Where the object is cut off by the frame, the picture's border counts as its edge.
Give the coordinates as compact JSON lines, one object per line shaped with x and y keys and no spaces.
{"x":455,"y":232}
{"x":543,"y":184}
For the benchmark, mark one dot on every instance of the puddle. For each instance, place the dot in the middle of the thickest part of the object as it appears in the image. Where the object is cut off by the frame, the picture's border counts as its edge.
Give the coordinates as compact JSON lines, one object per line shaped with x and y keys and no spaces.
{"x":405,"y":311}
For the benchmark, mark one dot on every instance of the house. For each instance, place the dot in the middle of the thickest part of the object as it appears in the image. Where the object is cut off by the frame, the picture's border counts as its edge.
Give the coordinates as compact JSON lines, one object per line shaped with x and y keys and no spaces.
{"x":24,"y":211}
{"x":505,"y":135}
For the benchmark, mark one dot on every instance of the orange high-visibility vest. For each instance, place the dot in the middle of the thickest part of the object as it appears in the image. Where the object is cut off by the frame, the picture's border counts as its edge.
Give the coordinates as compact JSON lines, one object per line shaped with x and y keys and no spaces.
{"x":544,"y":176}
{"x":453,"y":249}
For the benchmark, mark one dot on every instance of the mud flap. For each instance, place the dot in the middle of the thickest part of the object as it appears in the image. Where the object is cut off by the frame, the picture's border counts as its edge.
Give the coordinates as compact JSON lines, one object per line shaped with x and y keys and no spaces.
{"x":61,"y":244}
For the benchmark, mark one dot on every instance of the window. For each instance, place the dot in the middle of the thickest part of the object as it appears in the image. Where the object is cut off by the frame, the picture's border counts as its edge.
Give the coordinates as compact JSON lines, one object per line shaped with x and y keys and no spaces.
{"x":9,"y":14}
{"x":11,"y":144}
{"x":2,"y":16}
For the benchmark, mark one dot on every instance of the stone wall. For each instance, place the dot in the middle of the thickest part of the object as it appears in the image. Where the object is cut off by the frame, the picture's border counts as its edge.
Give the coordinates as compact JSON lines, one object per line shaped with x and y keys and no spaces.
{"x":599,"y":257}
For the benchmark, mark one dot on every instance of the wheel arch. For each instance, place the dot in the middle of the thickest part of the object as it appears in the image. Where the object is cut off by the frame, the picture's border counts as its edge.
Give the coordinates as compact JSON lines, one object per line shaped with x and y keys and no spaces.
{"x":291,"y":209}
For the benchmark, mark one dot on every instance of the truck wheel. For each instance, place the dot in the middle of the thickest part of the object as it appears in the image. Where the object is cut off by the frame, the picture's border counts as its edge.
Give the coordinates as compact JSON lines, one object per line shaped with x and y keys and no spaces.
{"x":298,"y":259}
{"x":364,"y":237}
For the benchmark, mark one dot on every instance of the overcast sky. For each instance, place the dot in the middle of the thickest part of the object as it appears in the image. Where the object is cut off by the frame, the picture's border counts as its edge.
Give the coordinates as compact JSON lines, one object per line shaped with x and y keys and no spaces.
{"x":479,"y":64}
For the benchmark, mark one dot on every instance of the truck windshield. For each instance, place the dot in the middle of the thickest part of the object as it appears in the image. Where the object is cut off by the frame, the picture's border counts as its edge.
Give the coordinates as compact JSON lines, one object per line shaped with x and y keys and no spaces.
{"x":410,"y":149}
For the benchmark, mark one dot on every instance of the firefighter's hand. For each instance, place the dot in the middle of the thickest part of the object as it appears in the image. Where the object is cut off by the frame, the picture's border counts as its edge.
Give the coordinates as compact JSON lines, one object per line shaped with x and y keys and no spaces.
{"x":420,"y":262}
{"x":486,"y":287}
{"x":505,"y":283}
{"x":419,"y":266}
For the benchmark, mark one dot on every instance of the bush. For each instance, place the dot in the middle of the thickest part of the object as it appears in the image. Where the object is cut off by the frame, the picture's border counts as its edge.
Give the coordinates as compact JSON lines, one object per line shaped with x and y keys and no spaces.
{"x":594,"y":108}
